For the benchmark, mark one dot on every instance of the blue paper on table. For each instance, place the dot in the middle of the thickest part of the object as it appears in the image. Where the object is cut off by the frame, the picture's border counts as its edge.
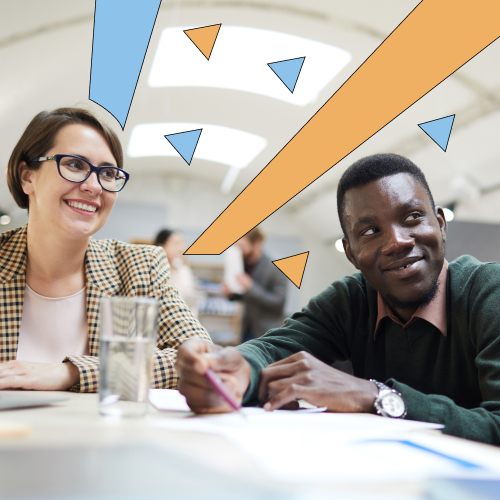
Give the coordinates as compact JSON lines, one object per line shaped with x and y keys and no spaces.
{"x":463,"y":489}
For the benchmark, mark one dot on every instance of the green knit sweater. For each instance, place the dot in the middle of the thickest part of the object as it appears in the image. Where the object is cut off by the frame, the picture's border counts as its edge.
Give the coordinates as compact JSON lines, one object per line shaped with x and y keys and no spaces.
{"x":452,"y":380}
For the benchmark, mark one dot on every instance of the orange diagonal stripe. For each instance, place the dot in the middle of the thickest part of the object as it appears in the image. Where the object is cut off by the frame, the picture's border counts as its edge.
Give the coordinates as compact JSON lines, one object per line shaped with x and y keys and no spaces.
{"x":436,"y":39}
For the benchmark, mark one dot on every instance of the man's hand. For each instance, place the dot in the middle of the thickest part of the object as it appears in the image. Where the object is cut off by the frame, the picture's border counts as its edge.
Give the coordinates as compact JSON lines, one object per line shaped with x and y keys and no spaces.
{"x":245,"y":281}
{"x":302,"y":376}
{"x":194,"y":358}
{"x":38,"y":376}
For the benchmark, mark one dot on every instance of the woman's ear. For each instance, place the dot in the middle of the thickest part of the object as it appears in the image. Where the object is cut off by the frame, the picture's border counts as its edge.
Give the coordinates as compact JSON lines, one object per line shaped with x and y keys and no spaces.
{"x":26,"y":177}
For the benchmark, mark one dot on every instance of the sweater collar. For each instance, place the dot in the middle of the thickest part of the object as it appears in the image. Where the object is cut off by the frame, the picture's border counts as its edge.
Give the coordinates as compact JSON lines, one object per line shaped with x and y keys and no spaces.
{"x":434,"y":312}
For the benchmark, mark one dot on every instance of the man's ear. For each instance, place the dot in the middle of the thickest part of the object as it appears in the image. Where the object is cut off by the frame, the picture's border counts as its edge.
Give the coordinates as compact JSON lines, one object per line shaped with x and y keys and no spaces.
{"x":26,"y":177}
{"x":348,"y":252}
{"x":443,"y":225}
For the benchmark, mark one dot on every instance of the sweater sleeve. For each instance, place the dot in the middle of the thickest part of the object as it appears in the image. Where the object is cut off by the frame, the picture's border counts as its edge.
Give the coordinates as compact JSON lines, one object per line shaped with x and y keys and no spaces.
{"x":483,"y":324}
{"x":322,"y":328}
{"x":479,"y":424}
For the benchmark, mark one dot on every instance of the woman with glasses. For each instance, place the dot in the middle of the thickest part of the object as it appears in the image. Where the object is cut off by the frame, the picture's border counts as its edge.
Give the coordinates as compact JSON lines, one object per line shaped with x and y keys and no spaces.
{"x":66,"y":170}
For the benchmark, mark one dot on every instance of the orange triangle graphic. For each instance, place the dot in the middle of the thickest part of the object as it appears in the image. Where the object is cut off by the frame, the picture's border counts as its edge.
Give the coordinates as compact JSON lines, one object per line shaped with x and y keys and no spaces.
{"x":204,"y":38}
{"x":293,"y":267}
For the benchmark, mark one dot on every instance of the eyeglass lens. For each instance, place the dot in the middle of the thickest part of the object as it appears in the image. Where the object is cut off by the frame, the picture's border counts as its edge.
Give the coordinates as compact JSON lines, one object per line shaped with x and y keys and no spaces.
{"x":77,"y":170}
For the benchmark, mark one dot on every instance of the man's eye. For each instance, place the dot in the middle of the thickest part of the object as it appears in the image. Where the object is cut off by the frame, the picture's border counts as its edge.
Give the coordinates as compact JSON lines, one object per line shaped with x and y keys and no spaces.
{"x":413,"y":216}
{"x":370,"y":231}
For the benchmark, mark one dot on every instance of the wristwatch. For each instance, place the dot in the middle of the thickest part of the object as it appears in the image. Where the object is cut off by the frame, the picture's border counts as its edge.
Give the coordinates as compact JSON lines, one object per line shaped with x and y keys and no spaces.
{"x":389,"y":402}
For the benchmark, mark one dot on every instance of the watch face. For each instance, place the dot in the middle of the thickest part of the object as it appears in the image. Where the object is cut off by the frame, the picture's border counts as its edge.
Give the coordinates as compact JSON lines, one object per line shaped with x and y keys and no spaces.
{"x":393,"y":405}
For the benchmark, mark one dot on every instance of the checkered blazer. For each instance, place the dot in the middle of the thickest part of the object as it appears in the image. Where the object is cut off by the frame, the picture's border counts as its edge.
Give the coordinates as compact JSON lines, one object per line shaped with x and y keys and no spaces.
{"x":111,"y":268}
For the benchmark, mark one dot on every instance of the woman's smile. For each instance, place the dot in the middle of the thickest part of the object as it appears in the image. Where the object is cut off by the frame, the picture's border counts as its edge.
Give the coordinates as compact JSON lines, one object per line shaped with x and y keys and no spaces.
{"x":83,"y":207}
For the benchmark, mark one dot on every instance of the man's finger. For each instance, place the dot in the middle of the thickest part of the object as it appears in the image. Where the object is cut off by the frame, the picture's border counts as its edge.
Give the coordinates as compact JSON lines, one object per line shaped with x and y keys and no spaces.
{"x":271,"y":374}
{"x":291,"y":393}
{"x":298,"y":378}
{"x":296,"y":364}
{"x":298,"y":356}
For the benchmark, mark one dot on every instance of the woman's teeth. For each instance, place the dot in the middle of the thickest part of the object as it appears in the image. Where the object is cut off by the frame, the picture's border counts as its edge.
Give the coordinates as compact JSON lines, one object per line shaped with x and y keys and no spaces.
{"x":82,"y":206}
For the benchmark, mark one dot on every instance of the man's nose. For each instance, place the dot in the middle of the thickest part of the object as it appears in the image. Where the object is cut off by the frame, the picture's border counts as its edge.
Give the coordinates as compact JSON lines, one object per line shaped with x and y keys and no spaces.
{"x":399,"y":239}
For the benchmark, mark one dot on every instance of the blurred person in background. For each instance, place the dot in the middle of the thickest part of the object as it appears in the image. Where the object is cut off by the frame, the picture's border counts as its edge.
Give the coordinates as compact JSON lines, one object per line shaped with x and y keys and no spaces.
{"x":66,"y":170}
{"x":264,"y":288}
{"x":181,"y":275}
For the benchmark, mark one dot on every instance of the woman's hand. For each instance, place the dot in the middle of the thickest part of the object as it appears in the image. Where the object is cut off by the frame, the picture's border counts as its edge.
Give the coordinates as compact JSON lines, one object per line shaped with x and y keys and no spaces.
{"x":38,"y":376}
{"x":194,"y":358}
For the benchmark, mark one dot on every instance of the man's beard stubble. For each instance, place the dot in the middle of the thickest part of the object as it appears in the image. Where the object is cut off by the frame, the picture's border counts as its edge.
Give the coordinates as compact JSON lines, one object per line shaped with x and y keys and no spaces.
{"x":424,"y":300}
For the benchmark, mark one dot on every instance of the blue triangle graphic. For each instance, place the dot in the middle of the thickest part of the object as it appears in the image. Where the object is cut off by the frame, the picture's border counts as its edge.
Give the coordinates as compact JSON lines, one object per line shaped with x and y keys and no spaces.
{"x":185,"y":143}
{"x":439,"y":130}
{"x":288,"y":71}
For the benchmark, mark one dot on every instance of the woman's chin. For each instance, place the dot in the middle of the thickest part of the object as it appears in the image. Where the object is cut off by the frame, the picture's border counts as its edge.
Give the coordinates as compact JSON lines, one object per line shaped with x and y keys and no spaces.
{"x":83,"y":229}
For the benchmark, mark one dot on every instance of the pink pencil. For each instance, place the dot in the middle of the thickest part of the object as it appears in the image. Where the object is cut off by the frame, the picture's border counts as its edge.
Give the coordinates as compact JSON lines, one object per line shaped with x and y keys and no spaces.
{"x":222,"y":389}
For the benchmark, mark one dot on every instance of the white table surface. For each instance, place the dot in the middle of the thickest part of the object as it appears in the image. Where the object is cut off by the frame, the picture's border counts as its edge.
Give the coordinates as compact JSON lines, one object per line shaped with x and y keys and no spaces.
{"x":77,"y":422}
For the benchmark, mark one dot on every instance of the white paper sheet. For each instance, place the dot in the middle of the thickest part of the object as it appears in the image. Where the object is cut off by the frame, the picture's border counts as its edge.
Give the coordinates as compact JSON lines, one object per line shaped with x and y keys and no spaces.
{"x":168,"y":400}
{"x":326,"y":447}
{"x":172,"y":400}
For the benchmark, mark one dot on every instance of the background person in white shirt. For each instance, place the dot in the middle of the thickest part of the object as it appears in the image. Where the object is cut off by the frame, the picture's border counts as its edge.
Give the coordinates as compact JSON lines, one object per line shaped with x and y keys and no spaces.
{"x":181,"y":275}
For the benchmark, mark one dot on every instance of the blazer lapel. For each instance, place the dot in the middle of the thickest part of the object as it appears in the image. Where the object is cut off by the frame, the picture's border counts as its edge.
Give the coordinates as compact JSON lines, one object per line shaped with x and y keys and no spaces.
{"x":12,"y":285}
{"x":102,"y":281}
{"x":259,"y":271}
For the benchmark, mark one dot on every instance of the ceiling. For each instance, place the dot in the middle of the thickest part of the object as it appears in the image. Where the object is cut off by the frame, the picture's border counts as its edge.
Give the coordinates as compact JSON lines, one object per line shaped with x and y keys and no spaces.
{"x":45,"y":54}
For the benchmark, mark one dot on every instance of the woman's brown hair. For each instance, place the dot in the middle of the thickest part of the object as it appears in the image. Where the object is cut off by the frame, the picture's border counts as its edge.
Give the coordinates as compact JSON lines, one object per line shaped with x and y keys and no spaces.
{"x":39,"y":137}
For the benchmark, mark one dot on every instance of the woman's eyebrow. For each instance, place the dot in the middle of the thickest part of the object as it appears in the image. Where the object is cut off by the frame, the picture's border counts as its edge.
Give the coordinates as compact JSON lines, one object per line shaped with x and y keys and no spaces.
{"x":103,"y":164}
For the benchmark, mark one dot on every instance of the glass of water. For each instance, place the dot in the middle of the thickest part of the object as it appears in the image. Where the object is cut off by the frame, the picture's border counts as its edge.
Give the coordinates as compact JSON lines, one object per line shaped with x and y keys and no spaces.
{"x":128,"y":327}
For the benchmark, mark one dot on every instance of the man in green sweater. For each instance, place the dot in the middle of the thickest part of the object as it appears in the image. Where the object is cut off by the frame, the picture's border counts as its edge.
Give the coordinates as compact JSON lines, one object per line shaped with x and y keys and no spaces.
{"x":423,"y":335}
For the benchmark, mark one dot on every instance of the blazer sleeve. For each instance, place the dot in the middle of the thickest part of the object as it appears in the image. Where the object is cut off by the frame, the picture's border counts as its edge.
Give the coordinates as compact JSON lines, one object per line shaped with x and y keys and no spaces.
{"x":176,"y":323}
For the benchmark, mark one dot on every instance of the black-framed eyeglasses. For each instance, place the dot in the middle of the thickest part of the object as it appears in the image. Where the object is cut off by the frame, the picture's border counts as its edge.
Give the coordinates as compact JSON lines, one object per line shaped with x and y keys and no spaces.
{"x":76,"y":169}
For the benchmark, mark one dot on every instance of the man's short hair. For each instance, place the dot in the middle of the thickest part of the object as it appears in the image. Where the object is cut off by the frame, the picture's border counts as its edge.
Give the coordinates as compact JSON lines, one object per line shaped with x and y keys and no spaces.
{"x":374,"y":167}
{"x":255,"y":235}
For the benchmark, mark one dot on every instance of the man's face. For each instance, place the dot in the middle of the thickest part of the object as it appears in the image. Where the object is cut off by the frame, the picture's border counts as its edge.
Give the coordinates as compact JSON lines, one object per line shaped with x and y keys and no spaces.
{"x":395,"y":239}
{"x":246,"y":246}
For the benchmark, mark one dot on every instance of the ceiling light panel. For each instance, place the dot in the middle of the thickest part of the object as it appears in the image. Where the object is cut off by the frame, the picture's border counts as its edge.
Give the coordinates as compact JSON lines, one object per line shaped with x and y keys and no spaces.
{"x":225,"y":145}
{"x":239,"y":62}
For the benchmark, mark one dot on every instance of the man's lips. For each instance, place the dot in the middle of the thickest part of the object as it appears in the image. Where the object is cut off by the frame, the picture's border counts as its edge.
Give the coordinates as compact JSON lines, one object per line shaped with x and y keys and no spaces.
{"x":405,"y":268}
{"x":402,"y":264}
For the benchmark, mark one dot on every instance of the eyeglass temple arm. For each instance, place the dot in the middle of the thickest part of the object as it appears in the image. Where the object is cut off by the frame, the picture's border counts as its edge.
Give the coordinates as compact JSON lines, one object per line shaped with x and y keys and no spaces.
{"x":43,"y":158}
